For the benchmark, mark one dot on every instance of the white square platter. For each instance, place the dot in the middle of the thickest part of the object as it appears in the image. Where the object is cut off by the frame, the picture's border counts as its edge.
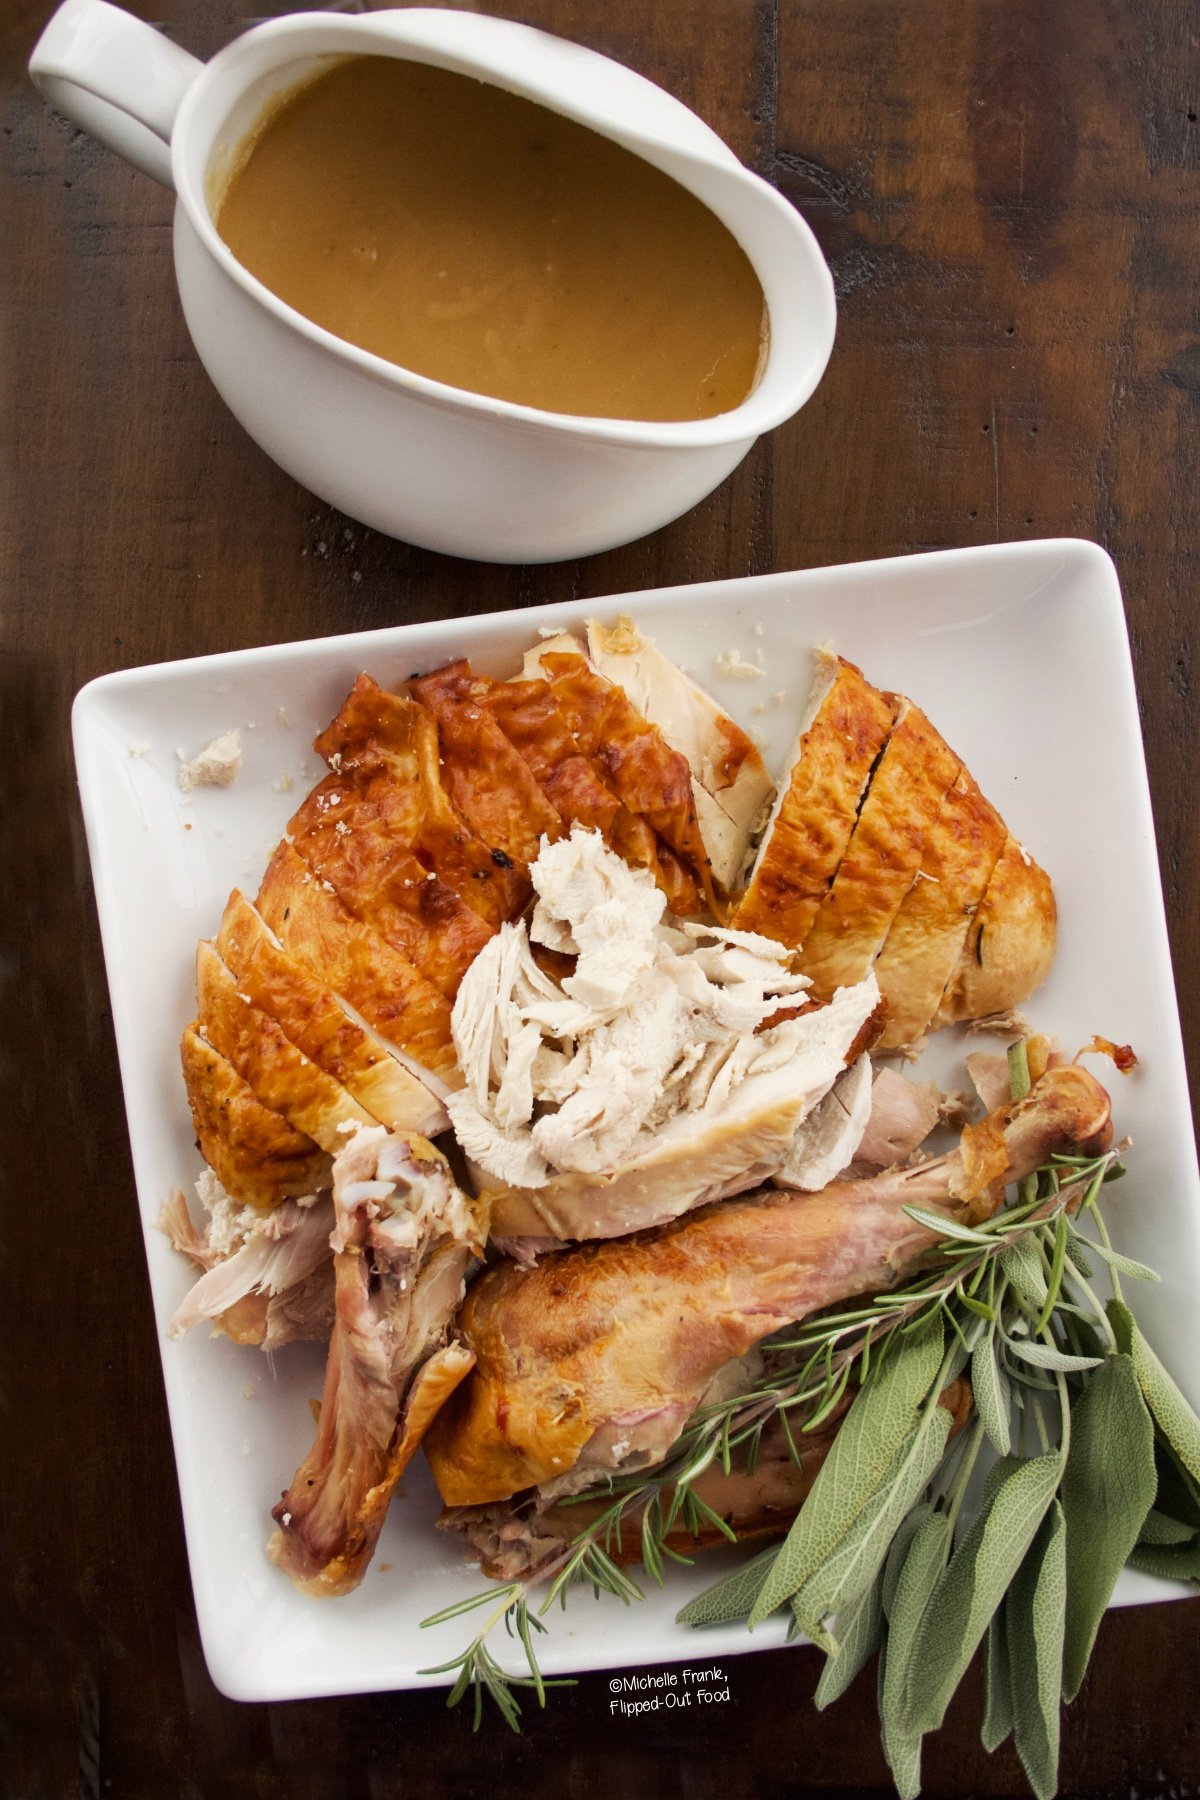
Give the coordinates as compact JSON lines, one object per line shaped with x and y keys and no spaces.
{"x":1019,"y":654}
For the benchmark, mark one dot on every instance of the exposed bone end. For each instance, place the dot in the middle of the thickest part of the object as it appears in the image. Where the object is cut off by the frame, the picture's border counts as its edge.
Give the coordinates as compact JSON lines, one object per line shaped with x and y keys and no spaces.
{"x":433,"y":1384}
{"x":1066,"y":1109}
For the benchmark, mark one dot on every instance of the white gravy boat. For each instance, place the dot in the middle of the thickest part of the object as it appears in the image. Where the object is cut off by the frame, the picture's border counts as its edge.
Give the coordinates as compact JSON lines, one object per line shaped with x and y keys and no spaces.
{"x":441,"y":467}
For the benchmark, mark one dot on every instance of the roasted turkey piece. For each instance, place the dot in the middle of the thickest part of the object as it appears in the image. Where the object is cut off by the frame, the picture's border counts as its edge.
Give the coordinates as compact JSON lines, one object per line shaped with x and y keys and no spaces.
{"x":883,"y":853}
{"x":327,"y":1002}
{"x":598,"y":1356}
{"x":403,"y":1236}
{"x":518,"y":1539}
{"x":590,"y":756}
{"x":730,"y":783}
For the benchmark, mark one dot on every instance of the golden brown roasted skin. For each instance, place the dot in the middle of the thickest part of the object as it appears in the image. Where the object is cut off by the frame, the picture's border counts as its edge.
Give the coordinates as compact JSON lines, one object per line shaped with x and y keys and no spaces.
{"x":928,"y":933}
{"x":818,"y":811}
{"x":569,"y":749}
{"x":531,"y":719}
{"x":379,"y":896}
{"x":884,"y":853}
{"x":489,"y":781}
{"x":348,"y":838}
{"x":1009,"y":944}
{"x":902,"y":805}
{"x":312,"y":1018}
{"x":389,"y":745}
{"x":378,"y":980}
{"x":619,"y":1340}
{"x":254,"y":1153}
{"x":279,"y":1075}
{"x":652,"y":781}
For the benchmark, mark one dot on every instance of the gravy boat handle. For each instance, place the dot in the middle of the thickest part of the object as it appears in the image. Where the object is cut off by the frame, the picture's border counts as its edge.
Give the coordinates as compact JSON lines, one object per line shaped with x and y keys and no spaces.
{"x":115,"y":77}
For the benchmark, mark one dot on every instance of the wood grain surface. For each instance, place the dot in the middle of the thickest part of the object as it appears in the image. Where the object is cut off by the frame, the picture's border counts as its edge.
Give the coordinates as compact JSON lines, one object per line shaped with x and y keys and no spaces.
{"x":1008,"y":194}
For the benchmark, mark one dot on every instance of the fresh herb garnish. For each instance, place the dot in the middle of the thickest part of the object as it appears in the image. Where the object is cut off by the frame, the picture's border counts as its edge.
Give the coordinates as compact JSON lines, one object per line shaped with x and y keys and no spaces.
{"x":1097,"y":1465}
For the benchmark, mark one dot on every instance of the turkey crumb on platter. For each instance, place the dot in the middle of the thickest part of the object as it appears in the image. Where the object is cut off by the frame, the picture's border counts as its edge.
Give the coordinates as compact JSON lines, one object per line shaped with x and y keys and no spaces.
{"x":623,"y":1065}
{"x":216,"y":765}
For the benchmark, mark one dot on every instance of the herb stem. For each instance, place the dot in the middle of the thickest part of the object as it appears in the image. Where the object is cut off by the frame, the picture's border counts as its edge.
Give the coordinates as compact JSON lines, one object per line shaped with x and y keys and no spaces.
{"x":1102,"y":1228}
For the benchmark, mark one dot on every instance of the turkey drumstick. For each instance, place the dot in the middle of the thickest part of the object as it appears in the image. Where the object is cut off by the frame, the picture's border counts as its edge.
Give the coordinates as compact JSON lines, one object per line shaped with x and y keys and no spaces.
{"x":596,"y":1358}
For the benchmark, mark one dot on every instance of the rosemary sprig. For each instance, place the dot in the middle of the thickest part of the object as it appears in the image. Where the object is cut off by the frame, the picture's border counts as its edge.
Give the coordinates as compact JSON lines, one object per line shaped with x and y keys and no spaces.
{"x":477,"y":1670}
{"x":1085,"y":1421}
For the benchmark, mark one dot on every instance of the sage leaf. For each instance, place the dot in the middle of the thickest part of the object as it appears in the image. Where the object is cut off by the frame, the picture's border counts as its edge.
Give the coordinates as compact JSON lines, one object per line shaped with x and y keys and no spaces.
{"x":899,"y":1550}
{"x":858,"y":1629}
{"x":732,"y":1597}
{"x":1177,"y":1562}
{"x":1034,"y":1628}
{"x":865,"y":1450}
{"x":1108,"y":1488}
{"x":1175,"y":1418}
{"x":859,"y":1557}
{"x":1016,"y":1499}
{"x":997,"y":1705}
{"x":1160,"y":1529}
{"x":1077,"y":1253}
{"x":918,"y":1581}
{"x":993,"y":1401}
{"x":1022,"y":1265}
{"x":1043,"y":1356}
{"x":1124,"y":1265}
{"x":1177,"y":1493}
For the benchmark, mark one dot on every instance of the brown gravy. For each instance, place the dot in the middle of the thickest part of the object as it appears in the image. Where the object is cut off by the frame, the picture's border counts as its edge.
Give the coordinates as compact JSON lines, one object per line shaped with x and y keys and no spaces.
{"x":487,"y":242}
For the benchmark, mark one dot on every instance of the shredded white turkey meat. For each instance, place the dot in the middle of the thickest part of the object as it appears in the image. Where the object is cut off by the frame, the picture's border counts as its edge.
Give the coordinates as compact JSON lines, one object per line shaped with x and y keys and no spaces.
{"x":265,"y":1253}
{"x":655,"y":1021}
{"x":243,"y":1250}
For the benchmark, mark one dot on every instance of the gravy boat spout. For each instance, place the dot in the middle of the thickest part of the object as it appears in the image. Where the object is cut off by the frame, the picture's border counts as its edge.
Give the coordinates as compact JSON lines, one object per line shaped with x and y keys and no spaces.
{"x":439,"y":466}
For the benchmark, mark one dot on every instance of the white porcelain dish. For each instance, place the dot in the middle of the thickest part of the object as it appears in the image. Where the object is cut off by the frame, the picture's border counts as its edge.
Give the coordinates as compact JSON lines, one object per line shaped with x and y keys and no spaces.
{"x":1019,"y":654}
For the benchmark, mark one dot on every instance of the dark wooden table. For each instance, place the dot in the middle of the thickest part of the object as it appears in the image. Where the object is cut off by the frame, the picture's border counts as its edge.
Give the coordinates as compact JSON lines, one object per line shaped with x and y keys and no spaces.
{"x":1007,"y":191}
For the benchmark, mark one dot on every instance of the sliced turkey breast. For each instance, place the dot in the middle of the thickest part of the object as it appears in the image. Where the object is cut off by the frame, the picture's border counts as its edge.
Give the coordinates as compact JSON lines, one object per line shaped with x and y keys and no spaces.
{"x":489,"y":781}
{"x":323,"y":1026}
{"x":652,"y":780}
{"x":403,"y":1236}
{"x":378,"y":980}
{"x":827,"y":1142}
{"x":256,"y":1155}
{"x":668,"y":1067}
{"x":389,"y":745}
{"x":882,"y":853}
{"x":927,"y":935}
{"x":730,"y":781}
{"x":277,"y":1073}
{"x":1009,"y":944}
{"x":614,"y":1344}
{"x":530,"y":717}
{"x":848,"y":725}
{"x":348,"y":839}
{"x":902,"y":805}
